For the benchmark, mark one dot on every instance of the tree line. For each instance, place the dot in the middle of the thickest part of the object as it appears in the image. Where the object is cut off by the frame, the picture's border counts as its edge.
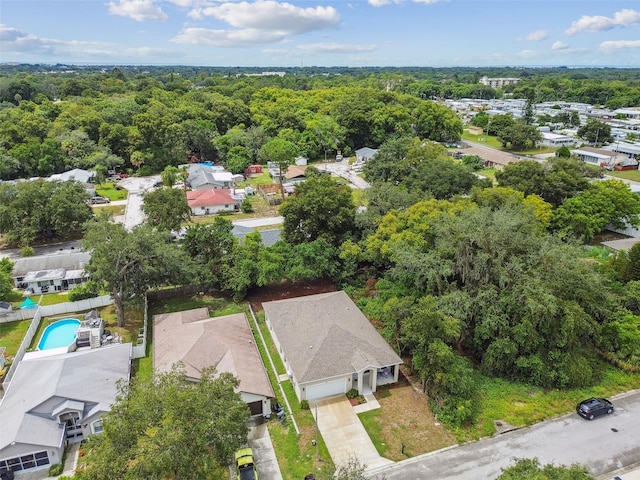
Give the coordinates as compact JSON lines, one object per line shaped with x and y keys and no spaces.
{"x":151,"y":118}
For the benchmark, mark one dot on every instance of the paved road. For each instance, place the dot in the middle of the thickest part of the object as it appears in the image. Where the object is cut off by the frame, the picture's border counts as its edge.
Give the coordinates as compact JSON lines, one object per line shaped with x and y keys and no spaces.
{"x":343,"y":170}
{"x":602,"y":445}
{"x":137,"y":187}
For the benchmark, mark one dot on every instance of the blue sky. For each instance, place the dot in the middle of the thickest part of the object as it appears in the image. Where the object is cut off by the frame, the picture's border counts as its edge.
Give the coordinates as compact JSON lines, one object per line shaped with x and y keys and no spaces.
{"x":320,"y":33}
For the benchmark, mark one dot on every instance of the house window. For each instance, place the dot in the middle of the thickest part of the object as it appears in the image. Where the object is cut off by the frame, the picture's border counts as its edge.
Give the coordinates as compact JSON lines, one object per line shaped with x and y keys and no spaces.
{"x":96,"y":427}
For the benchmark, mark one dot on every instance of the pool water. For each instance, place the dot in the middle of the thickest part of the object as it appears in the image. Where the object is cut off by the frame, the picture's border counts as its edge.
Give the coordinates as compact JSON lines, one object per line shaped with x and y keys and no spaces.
{"x":59,"y":334}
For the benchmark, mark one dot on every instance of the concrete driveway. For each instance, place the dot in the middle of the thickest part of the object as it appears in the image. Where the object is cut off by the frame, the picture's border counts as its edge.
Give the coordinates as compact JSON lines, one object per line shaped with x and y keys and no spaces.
{"x":344,"y":434}
{"x":264,"y":456}
{"x":137,"y":187}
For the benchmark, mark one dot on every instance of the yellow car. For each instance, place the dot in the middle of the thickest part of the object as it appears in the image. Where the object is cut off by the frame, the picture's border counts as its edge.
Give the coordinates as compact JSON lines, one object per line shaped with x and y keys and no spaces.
{"x":245,"y":467}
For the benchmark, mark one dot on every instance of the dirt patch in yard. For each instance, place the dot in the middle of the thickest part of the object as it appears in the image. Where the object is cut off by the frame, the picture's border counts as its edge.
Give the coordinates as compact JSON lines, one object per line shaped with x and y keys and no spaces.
{"x":286,"y":290}
{"x":405,"y":417}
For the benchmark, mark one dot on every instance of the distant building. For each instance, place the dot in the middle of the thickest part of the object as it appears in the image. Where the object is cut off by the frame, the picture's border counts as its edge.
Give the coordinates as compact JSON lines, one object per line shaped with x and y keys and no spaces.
{"x":207,"y":202}
{"x":556,"y":140}
{"x":498,"y":82}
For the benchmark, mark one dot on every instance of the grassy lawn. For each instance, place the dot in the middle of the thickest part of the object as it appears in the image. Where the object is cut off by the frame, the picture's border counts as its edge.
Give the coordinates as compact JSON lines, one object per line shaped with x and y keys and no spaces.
{"x":113,"y":210}
{"x":521,"y":405}
{"x":487,"y":140}
{"x":218,"y":306}
{"x":493,"y":142}
{"x":633,"y":175}
{"x":111,"y":191}
{"x":489,"y":173}
{"x":52,"y":298}
{"x":404,"y":417}
{"x":12,"y":334}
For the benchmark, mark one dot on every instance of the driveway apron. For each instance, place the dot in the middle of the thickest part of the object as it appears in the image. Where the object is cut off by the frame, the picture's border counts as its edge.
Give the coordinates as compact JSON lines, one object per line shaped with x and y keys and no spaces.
{"x":344,"y":434}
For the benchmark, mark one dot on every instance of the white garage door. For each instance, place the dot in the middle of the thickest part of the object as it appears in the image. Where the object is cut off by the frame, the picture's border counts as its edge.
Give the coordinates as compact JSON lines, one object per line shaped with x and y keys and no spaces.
{"x":326,"y":389}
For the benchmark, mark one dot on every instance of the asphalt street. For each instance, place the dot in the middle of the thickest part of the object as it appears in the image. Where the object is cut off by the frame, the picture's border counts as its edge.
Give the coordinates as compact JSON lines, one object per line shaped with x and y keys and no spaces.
{"x":606,"y":444}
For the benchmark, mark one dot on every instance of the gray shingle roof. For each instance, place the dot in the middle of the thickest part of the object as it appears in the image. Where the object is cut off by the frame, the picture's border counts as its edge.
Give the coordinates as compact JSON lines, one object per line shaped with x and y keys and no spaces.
{"x":43,"y":383}
{"x":68,"y":261}
{"x":196,"y":339}
{"x":326,"y":335}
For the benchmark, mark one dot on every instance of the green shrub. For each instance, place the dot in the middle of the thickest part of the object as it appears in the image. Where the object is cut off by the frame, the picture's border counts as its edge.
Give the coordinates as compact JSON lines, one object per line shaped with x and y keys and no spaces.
{"x":353,"y":393}
{"x":84,"y":291}
{"x":27,"y":251}
{"x":55,"y":470}
{"x":145,"y":171}
{"x":304,"y":405}
{"x":246,"y":206}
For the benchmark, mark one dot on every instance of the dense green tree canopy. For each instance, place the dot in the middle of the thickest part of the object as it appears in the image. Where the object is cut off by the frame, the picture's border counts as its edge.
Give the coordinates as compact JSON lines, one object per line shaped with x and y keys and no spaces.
{"x":510,"y":281}
{"x":607,"y":202}
{"x":166,"y":208}
{"x":555,"y":181}
{"x":595,"y":131}
{"x":40,"y":210}
{"x":127,"y":264}
{"x":170,"y":426}
{"x":322,"y":208}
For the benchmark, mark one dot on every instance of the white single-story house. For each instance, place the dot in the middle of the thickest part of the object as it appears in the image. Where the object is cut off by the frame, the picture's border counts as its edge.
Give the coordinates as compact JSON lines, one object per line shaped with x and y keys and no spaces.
{"x":601,"y":157}
{"x":207,"y":202}
{"x":294,"y":174}
{"x":57,"y":399}
{"x":366,"y":153}
{"x":328,"y":346}
{"x":209,"y":179}
{"x":77,"y":175}
{"x":226,"y":343}
{"x":55,"y":272}
{"x":85,"y":177}
{"x":556,"y":140}
{"x":55,"y":280}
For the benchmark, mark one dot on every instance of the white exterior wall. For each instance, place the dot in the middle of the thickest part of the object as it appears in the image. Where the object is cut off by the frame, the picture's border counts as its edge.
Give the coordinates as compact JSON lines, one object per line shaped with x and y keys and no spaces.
{"x":211,"y":209}
{"x":252,"y":397}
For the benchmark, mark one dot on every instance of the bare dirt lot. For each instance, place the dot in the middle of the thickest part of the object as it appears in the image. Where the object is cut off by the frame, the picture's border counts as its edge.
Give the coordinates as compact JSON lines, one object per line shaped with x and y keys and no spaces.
{"x":405,"y":418}
{"x":288,"y":290}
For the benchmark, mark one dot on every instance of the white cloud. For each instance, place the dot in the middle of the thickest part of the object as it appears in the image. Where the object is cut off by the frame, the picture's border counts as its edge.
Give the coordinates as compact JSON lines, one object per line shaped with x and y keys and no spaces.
{"x":139,"y":10}
{"x":597,"y":23}
{"x":336,"y":48}
{"x":271,"y":16}
{"x":226,"y":38}
{"x":616,"y":45}
{"x":537,"y":36}
{"x":528,"y":53}
{"x":559,"y":46}
{"x":17,"y":42}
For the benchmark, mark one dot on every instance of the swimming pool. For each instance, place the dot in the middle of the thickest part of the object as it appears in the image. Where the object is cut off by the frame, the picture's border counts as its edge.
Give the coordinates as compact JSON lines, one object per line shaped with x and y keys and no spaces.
{"x":59,"y":334}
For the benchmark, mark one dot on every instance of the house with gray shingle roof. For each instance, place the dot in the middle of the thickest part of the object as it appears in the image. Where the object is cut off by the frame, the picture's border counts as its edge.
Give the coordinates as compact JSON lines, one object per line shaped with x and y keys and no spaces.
{"x":328,"y":346}
{"x":48,"y":273}
{"x":56,"y":399}
{"x":225,"y":343}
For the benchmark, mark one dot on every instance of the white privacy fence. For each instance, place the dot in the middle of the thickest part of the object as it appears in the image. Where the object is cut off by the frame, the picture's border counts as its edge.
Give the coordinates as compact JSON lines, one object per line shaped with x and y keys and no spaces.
{"x":46,"y":311}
